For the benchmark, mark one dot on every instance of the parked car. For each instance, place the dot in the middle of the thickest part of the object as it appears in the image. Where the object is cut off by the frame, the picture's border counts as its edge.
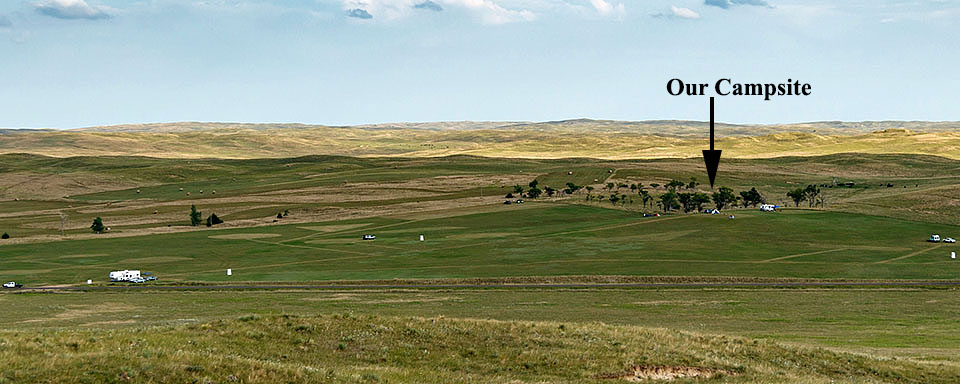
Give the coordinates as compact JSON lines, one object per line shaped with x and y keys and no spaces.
{"x":138,"y":280}
{"x":369,"y":237}
{"x":949,"y":240}
{"x":150,"y":278}
{"x":12,"y":285}
{"x":507,"y":202}
{"x":934,"y":239}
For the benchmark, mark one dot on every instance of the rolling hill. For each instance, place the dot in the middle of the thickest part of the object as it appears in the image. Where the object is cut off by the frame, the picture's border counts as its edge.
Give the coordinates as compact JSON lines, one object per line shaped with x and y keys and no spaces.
{"x":545,"y":140}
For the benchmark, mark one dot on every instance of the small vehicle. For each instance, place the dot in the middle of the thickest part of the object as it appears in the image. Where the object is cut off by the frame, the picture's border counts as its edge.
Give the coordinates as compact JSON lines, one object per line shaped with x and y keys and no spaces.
{"x":138,"y":280}
{"x":12,"y":285}
{"x":151,"y":278}
{"x":507,"y":202}
{"x":934,"y":239}
{"x":949,"y":240}
{"x":519,"y":201}
{"x":369,"y":237}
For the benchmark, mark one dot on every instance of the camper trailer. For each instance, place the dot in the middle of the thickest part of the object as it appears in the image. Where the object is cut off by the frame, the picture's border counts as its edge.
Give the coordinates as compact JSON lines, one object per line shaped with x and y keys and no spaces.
{"x":768,"y":207}
{"x":125,"y":275}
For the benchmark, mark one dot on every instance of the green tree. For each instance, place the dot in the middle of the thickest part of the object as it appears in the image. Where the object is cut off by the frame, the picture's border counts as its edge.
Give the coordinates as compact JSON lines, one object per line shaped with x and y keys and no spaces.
{"x":655,"y":185}
{"x":517,"y":189}
{"x":213,"y":220}
{"x":674,"y":184}
{"x":5,"y":236}
{"x":724,"y":197}
{"x":533,"y":184}
{"x":693,"y":183}
{"x":195,"y":216}
{"x":97,"y":226}
{"x":669,"y":201}
{"x":692,"y":201}
{"x":645,"y":198}
{"x":549,"y":191}
{"x":797,"y":195}
{"x":533,"y":193}
{"x":751,"y":197}
{"x":614,"y":199}
{"x":812,"y":191}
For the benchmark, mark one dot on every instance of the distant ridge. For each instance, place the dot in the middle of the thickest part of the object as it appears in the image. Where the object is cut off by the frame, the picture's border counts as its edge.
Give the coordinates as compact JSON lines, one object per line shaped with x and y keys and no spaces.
{"x":586,"y":138}
{"x":653,"y":127}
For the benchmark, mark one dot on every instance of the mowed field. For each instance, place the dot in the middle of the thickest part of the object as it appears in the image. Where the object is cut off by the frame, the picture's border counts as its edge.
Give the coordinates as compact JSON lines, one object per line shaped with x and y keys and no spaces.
{"x":534,"y":239}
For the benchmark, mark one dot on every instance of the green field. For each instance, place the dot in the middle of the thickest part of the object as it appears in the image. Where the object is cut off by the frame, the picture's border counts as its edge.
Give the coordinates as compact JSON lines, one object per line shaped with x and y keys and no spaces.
{"x":536,"y":239}
{"x":874,"y":230}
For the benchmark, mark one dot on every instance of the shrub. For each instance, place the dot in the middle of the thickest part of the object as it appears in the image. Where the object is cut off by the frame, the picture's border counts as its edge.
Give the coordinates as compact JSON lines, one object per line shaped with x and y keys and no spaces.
{"x":213,"y":220}
{"x":5,"y":236}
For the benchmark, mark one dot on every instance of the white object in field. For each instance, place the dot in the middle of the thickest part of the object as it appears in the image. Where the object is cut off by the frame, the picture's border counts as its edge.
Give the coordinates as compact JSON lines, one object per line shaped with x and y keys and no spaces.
{"x":89,"y":281}
{"x":421,"y":237}
{"x":10,"y":285}
{"x":953,"y":255}
{"x":125,"y":275}
{"x":229,"y":272}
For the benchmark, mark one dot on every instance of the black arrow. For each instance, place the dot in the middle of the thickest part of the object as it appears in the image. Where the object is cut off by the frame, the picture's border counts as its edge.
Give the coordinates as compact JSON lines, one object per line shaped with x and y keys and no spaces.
{"x":711,"y":157}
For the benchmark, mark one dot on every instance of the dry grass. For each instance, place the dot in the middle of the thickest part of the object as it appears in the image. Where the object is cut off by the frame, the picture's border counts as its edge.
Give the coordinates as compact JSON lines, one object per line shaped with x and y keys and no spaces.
{"x":346,"y":348}
{"x":618,"y":140}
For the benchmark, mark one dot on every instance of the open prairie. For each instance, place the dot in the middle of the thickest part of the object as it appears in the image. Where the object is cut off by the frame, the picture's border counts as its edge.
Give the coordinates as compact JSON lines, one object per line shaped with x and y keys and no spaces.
{"x":844,"y":288}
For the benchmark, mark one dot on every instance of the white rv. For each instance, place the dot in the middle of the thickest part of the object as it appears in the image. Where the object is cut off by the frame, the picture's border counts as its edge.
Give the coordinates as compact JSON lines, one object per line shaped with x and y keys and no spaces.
{"x":125,"y":275}
{"x":768,"y":207}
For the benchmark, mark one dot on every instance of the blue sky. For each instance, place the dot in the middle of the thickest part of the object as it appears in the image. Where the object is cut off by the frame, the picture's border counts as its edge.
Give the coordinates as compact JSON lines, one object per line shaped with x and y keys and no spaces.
{"x":74,"y":63}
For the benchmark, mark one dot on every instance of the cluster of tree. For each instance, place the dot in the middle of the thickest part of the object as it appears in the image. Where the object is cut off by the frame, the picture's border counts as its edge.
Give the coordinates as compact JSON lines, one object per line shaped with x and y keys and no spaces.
{"x":534,"y":190}
{"x":196,"y":218}
{"x":694,"y":201}
{"x":751,"y":198}
{"x":811,"y":194}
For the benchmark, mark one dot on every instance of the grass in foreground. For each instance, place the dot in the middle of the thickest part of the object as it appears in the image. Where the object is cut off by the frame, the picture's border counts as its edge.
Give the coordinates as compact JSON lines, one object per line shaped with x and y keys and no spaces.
{"x":346,"y":348}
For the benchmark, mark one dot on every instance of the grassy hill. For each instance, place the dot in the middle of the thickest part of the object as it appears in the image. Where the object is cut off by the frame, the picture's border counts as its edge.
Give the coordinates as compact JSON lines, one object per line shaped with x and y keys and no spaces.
{"x":365,"y":349}
{"x":574,"y":138}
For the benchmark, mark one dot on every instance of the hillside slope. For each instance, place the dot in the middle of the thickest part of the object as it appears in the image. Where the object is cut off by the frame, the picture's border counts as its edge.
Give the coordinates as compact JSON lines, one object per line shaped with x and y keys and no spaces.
{"x":347,"y":348}
{"x":575,"y":138}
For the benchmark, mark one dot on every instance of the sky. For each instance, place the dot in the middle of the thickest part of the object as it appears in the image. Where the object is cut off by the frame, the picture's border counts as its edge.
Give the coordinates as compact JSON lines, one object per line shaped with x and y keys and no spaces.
{"x":78,"y":63}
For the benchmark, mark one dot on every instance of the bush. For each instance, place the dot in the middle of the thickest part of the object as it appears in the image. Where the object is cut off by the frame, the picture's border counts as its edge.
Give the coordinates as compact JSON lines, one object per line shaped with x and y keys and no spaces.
{"x":213,"y":220}
{"x":5,"y":236}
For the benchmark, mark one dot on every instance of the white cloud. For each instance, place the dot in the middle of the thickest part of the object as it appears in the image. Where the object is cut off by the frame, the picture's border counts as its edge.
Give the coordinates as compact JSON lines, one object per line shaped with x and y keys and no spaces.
{"x":492,"y":13}
{"x":72,"y":9}
{"x":685,"y":13}
{"x":488,"y":11}
{"x":605,"y":8}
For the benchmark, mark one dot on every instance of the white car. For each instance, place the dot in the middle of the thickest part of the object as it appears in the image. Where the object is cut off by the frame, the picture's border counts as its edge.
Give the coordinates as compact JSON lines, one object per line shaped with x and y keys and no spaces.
{"x":949,"y":240}
{"x":12,"y":285}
